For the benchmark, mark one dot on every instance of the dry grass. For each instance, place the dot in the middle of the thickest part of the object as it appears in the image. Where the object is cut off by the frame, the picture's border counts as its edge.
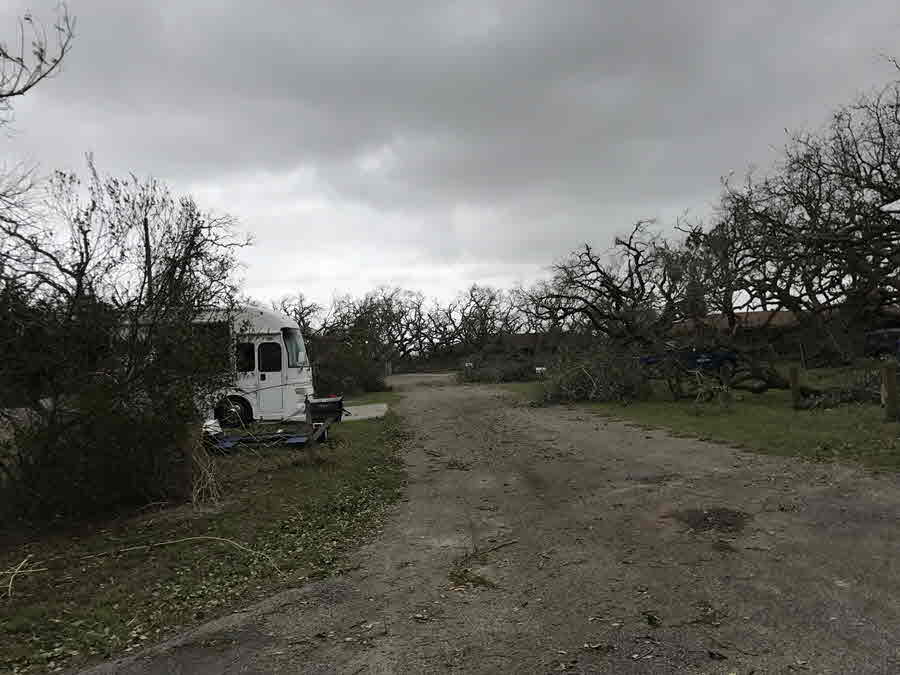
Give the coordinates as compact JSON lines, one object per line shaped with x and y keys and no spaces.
{"x":113,"y":587}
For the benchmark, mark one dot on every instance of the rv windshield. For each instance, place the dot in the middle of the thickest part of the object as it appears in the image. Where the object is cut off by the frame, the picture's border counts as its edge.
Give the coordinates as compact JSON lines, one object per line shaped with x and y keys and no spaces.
{"x":293,"y":345}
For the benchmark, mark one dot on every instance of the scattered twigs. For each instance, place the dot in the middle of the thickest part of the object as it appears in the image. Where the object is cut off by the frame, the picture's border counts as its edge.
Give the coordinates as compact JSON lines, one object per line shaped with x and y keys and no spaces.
{"x":21,"y":568}
{"x":144,"y":547}
{"x":498,"y":547}
{"x":205,"y":484}
{"x":478,"y":554}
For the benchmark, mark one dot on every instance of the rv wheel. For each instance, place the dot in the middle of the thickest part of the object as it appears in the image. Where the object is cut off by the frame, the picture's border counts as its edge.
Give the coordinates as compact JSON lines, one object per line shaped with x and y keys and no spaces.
{"x":233,"y":412}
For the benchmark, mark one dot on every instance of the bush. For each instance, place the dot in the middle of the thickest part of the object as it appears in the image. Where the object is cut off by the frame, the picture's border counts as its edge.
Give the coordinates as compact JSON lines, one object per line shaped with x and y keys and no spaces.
{"x":498,"y":371}
{"x":603,"y":374}
{"x":345,"y":370}
{"x":115,"y":330}
{"x":99,"y":456}
{"x":113,"y":432}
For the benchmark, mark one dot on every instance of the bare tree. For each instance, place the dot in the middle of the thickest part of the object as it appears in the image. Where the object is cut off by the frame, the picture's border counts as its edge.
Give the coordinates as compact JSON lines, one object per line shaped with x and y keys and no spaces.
{"x":34,"y":56}
{"x":720,"y":262}
{"x":485,"y":314}
{"x":633,"y":293}
{"x":443,"y":331}
{"x":817,"y":240}
{"x":23,"y":65}
{"x":305,"y":312}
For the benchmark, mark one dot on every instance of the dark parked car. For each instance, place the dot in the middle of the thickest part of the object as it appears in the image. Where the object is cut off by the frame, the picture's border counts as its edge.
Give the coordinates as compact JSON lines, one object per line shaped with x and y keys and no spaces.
{"x":884,"y":342}
{"x":723,"y":361}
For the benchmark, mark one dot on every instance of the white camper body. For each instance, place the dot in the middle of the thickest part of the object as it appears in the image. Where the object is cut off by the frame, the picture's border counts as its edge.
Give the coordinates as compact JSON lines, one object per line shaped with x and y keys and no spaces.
{"x":273,"y":376}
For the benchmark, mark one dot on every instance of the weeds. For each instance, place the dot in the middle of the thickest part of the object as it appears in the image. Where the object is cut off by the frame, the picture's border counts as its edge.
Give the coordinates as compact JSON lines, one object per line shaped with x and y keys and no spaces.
{"x":282,"y":520}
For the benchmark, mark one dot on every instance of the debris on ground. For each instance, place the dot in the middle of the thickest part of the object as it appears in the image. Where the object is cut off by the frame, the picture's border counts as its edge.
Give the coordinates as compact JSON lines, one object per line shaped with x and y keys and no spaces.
{"x":600,"y":647}
{"x":463,"y":575}
{"x":718,"y":519}
{"x":709,"y":615}
{"x":652,"y":619}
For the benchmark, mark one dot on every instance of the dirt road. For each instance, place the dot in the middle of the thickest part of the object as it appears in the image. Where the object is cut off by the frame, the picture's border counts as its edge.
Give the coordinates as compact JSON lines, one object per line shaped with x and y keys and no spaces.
{"x":554,"y":540}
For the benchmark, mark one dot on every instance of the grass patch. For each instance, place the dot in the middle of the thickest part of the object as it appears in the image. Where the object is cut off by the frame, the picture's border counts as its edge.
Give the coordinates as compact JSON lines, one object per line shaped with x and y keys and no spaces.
{"x":389,"y":397}
{"x":532,"y":391}
{"x":839,"y":376}
{"x":299,"y":515}
{"x":767,"y":423}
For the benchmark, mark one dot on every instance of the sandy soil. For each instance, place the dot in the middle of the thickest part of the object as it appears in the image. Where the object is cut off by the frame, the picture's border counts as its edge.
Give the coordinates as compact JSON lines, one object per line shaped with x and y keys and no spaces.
{"x":545,"y":540}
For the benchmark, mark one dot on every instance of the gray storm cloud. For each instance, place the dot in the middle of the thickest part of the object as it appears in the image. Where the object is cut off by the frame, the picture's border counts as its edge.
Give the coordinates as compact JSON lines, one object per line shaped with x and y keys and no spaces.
{"x":436,"y":144}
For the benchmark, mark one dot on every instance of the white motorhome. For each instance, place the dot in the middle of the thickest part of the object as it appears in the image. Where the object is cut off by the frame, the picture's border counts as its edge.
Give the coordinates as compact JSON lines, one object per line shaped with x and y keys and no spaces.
{"x":273,"y":374}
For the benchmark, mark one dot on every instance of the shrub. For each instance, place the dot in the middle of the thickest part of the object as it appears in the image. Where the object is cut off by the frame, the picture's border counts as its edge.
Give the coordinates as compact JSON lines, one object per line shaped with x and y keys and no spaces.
{"x":498,"y":370}
{"x":102,"y":456}
{"x":603,"y":374}
{"x":344,"y":369}
{"x":112,"y":350}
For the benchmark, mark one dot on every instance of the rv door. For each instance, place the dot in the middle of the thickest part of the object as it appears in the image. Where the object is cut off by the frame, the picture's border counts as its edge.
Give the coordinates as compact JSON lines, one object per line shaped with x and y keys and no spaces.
{"x":270,"y":384}
{"x":247,"y":380}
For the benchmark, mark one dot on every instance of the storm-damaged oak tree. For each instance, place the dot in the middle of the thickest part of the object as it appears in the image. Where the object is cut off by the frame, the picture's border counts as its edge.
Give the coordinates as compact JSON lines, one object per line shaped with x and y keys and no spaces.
{"x":629,"y":297}
{"x":632,"y":293}
{"x":824,"y":248}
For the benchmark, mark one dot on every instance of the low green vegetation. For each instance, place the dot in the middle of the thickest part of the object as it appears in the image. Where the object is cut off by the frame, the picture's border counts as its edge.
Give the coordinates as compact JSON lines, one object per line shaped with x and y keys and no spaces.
{"x":837,"y":376}
{"x":533,"y":391}
{"x":766,"y":423}
{"x":389,"y":397}
{"x":495,"y":370}
{"x":106,"y":588}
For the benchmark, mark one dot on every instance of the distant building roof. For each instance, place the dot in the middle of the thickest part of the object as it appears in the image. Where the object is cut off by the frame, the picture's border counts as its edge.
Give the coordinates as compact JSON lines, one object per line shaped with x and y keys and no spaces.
{"x":755,"y":320}
{"x":744,"y":320}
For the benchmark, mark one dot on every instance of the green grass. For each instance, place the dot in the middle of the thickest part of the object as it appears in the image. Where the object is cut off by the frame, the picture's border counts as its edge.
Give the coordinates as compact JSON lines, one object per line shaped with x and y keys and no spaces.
{"x":389,"y":397}
{"x":294,"y":513}
{"x":836,"y":377}
{"x":767,"y":423}
{"x":529,"y":390}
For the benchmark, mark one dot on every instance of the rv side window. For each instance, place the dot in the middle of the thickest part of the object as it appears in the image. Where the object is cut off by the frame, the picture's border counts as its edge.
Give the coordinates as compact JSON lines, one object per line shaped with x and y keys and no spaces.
{"x":270,"y":357}
{"x":244,"y":357}
{"x":293,"y":346}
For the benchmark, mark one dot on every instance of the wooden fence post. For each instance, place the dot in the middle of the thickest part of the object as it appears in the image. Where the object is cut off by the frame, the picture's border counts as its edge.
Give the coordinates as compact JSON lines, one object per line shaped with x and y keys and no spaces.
{"x":796,"y":398}
{"x":889,"y":390}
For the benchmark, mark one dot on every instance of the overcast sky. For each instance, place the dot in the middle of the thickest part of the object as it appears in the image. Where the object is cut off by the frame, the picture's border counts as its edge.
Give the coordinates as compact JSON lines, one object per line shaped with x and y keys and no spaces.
{"x":435,"y":144}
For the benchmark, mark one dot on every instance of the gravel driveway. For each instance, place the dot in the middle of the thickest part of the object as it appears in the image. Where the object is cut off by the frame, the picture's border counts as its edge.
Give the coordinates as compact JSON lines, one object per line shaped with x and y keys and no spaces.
{"x":542,"y":540}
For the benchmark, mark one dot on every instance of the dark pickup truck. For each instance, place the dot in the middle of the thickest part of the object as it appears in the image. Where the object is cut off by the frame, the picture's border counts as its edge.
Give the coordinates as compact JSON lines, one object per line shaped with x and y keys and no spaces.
{"x":884,"y":342}
{"x":710,"y":360}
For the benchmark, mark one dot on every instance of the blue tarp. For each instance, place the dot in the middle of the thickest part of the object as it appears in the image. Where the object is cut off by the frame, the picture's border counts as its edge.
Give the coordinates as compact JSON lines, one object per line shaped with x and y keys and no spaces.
{"x":228,"y":442}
